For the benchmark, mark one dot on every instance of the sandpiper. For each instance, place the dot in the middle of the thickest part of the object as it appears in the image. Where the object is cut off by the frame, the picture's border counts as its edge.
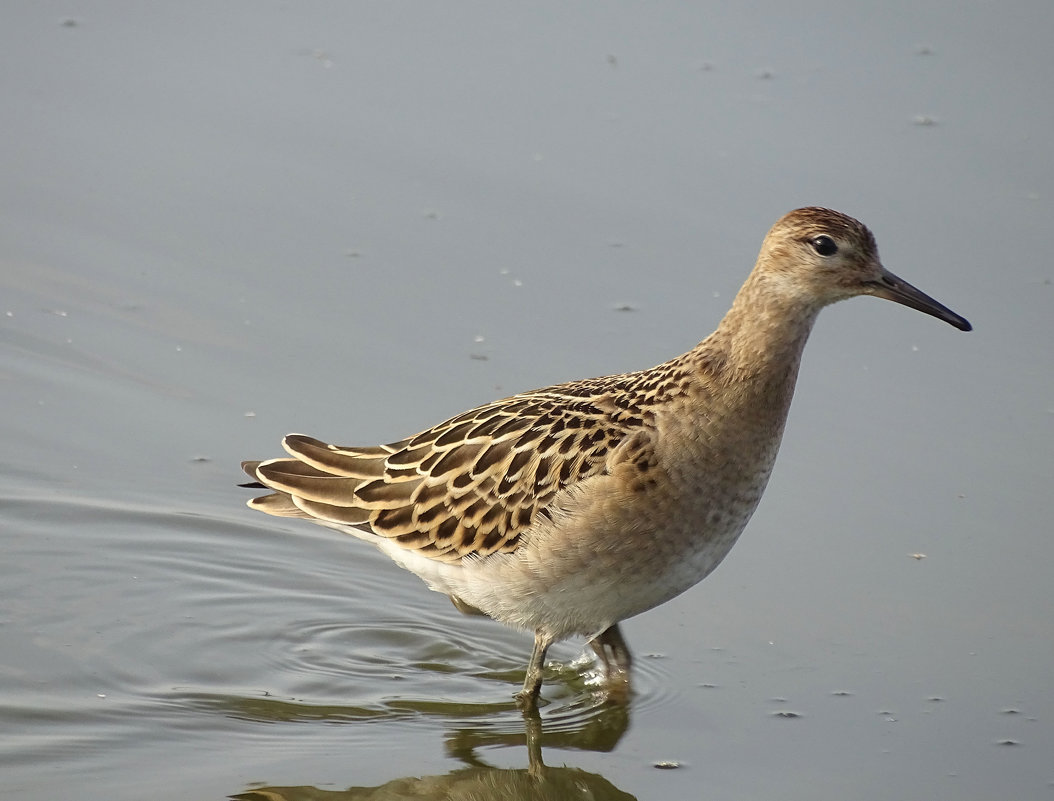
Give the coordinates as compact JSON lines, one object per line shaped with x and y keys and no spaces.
{"x":567,"y":509}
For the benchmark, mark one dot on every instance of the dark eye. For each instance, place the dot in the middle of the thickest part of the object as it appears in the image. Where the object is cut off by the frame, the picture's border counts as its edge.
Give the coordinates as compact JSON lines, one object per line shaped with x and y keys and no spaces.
{"x":824,"y":245}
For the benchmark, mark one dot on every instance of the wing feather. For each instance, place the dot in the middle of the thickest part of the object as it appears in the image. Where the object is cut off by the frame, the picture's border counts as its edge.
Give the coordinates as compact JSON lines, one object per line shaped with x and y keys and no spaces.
{"x":469,"y":486}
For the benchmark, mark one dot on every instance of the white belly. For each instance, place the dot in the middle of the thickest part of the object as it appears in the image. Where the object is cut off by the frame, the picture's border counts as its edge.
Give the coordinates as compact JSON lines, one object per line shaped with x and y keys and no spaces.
{"x":583,"y":574}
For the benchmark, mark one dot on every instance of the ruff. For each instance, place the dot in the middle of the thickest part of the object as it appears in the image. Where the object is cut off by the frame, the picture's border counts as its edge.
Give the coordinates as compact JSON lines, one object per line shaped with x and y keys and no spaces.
{"x":565,"y":510}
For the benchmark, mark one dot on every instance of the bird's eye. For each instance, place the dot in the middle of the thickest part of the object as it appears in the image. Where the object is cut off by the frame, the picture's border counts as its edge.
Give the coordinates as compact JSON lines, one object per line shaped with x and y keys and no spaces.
{"x":824,"y":245}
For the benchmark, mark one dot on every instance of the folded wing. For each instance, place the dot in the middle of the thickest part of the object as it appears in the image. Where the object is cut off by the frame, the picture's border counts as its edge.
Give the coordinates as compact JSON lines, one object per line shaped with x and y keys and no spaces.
{"x":469,"y":486}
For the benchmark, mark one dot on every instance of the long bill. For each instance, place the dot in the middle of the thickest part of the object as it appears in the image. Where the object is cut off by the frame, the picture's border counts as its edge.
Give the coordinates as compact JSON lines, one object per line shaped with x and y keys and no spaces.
{"x":898,"y":290}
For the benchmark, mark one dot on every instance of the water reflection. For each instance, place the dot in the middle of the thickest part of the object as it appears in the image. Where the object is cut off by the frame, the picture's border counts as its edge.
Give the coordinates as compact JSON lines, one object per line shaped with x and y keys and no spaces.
{"x":577,"y":719}
{"x":599,"y":730}
{"x":123,"y":619}
{"x":578,"y":727}
{"x":588,"y":722}
{"x":467,"y":783}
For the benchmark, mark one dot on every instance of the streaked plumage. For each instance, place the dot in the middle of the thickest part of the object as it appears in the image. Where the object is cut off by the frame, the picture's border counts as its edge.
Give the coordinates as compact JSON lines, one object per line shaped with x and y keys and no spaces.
{"x":567,"y":509}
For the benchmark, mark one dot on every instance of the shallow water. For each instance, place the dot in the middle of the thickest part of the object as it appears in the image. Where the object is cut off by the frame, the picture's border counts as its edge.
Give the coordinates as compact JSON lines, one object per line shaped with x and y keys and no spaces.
{"x":222,"y":225}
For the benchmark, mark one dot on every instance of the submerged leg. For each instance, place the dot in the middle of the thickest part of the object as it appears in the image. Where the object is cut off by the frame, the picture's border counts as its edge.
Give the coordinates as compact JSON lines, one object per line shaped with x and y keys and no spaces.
{"x":610,"y":646}
{"x":527,"y":698}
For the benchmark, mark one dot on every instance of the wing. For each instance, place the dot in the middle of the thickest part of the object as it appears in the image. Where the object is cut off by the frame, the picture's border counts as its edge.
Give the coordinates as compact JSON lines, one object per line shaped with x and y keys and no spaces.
{"x":469,"y":486}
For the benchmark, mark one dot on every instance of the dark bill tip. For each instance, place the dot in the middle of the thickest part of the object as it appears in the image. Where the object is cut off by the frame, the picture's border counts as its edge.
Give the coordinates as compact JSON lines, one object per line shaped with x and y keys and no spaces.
{"x":893,"y":288}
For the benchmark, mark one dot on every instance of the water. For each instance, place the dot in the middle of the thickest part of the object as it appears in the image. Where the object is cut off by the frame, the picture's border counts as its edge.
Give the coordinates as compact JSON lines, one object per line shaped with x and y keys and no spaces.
{"x":222,"y":225}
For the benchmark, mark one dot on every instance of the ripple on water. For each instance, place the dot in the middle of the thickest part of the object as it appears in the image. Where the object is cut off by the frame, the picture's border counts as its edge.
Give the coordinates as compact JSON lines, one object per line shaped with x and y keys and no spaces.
{"x":135,"y":617}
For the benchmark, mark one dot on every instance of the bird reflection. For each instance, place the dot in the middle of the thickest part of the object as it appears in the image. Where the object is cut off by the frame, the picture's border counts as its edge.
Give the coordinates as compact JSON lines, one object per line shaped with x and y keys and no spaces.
{"x":600,"y":731}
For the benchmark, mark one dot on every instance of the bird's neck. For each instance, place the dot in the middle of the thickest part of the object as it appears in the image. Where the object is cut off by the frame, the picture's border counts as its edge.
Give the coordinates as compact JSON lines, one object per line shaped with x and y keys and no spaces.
{"x":756,"y":350}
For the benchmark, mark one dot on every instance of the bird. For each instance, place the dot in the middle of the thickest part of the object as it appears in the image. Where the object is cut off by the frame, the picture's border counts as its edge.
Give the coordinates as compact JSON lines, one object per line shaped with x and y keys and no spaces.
{"x":565,"y":510}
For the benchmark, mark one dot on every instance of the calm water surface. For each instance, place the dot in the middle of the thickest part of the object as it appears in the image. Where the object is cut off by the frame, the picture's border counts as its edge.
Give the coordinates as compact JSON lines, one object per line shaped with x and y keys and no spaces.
{"x":222,"y":224}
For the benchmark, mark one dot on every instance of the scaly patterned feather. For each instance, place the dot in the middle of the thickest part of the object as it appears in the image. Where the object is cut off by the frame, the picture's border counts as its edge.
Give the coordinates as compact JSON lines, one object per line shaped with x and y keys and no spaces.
{"x":474,"y":483}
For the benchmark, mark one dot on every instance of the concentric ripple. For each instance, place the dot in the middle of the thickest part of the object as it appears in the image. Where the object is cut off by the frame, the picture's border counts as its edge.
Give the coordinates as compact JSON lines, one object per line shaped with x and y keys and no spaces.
{"x":133,"y":615}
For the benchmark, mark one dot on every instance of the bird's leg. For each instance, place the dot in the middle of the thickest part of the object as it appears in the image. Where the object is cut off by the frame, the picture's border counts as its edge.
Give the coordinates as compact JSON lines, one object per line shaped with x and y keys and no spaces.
{"x":527,"y":698}
{"x":465,"y":608}
{"x":610,"y":646}
{"x":532,"y":719}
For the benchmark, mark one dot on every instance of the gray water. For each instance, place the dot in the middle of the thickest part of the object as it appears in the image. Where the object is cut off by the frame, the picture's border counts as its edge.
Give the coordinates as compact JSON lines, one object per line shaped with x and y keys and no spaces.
{"x":224,"y":222}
